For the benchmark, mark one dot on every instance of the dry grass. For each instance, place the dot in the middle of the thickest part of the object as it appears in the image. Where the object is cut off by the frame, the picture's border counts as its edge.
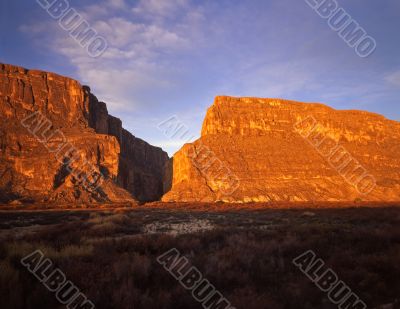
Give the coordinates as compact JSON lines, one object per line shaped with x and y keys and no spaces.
{"x":247,"y":254}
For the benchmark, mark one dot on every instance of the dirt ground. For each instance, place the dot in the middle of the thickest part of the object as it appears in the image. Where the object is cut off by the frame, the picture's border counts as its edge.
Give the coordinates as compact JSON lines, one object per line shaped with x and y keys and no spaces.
{"x":246,"y":251}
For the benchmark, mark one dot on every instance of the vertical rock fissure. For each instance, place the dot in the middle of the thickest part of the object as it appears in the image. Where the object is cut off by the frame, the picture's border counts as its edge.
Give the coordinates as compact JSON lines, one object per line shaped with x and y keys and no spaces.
{"x":86,"y":128}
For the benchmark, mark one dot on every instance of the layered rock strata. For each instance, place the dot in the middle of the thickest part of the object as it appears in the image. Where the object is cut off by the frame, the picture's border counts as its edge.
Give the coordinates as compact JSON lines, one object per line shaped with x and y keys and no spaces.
{"x":58,"y":143}
{"x":261,"y":150}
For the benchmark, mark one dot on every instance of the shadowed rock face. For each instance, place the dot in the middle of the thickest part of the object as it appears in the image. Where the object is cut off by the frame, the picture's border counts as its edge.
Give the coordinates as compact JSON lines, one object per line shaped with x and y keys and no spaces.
{"x":40,"y":169}
{"x":275,"y":150}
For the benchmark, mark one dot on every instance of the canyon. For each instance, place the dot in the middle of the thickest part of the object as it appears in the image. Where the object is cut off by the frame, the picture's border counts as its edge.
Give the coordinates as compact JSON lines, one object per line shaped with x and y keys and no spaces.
{"x":37,"y":105}
{"x":60,"y":145}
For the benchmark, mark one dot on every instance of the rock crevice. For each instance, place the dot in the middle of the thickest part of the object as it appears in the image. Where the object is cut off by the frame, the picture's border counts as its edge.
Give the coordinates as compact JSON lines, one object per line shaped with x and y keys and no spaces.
{"x":132,"y":169}
{"x":261,"y":150}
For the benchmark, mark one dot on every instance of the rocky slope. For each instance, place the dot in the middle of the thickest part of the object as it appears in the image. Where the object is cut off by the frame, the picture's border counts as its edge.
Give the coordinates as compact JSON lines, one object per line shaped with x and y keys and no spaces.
{"x":275,"y":150}
{"x":58,"y":143}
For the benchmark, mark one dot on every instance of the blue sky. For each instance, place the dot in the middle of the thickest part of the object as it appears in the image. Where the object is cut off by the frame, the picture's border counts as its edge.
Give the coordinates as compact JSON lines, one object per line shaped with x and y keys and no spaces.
{"x":172,"y":57}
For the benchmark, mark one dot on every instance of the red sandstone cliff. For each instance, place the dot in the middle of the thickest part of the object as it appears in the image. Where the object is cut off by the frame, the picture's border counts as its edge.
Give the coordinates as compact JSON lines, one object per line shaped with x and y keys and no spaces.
{"x":41,"y":112}
{"x":276,"y":150}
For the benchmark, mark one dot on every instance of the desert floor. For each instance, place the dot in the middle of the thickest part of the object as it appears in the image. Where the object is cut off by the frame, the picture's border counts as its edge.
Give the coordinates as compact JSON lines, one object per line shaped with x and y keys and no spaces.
{"x":246,"y":252}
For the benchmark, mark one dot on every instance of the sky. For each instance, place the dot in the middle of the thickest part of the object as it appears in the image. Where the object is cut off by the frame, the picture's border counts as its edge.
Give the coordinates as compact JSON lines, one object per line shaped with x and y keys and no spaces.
{"x":172,"y":57}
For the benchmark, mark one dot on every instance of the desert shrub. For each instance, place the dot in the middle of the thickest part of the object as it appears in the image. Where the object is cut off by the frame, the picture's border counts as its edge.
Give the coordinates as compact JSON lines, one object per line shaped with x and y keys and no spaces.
{"x":248,"y":257}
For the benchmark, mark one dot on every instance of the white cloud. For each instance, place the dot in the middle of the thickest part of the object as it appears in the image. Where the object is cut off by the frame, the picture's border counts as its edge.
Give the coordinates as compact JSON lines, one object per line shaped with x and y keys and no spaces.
{"x":134,"y":37}
{"x":93,"y":12}
{"x":393,"y":78}
{"x":140,"y":53}
{"x":119,"y":4}
{"x":271,"y":79}
{"x":177,"y":54}
{"x":36,"y":29}
{"x":146,"y":41}
{"x":155,"y":8}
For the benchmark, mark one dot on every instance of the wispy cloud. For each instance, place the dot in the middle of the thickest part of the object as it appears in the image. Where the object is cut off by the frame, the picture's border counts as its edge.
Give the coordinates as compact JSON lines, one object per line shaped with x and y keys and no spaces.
{"x":119,"y":4}
{"x":159,"y":8}
{"x":173,"y":56}
{"x":139,"y":54}
{"x":393,"y":78}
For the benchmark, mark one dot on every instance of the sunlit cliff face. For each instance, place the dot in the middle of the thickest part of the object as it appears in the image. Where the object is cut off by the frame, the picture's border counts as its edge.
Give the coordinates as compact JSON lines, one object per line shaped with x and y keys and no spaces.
{"x":256,"y":150}
{"x":60,"y":144}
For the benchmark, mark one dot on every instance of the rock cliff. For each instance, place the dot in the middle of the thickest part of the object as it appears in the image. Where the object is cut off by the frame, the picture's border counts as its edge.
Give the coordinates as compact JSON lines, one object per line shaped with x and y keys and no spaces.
{"x":58,"y":143}
{"x":260,"y":150}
